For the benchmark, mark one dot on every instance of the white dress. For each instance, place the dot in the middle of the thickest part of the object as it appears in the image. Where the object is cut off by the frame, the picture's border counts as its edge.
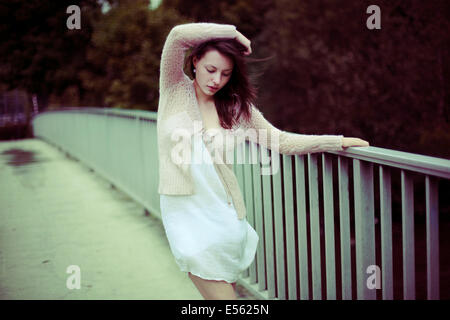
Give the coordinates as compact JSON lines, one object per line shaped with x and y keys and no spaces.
{"x":205,"y":235}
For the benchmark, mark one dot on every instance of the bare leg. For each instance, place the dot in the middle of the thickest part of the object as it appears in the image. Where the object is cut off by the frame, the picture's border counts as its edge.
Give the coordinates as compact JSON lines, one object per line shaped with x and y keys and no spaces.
{"x":212,"y":289}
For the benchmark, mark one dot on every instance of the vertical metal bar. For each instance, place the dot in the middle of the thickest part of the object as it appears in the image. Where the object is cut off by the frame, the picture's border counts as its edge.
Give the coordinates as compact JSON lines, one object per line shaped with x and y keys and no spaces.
{"x":268,"y":229}
{"x":431,"y":184}
{"x":109,"y":142}
{"x":150,"y":173}
{"x":330,"y":260}
{"x":239,"y":169}
{"x":259,"y":219}
{"x":278,"y":226}
{"x":248,"y":181}
{"x":314,"y":226}
{"x":290,"y":231}
{"x":142,"y":172}
{"x":364,"y":226}
{"x":386,"y":233}
{"x":120,"y":127}
{"x":409,"y":286}
{"x":344,"y":221}
{"x":301,"y":226}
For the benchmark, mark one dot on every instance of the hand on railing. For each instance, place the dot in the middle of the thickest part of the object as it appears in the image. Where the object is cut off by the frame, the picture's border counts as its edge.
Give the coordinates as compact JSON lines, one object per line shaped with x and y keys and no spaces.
{"x":354,"y":142}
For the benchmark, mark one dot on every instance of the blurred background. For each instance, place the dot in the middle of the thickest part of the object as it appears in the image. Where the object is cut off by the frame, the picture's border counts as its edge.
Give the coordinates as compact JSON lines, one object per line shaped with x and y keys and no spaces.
{"x":329,"y":73}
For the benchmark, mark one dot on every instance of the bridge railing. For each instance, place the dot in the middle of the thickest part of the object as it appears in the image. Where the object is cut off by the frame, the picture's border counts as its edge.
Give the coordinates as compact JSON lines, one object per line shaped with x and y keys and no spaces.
{"x":334,"y":225}
{"x":321,"y":205}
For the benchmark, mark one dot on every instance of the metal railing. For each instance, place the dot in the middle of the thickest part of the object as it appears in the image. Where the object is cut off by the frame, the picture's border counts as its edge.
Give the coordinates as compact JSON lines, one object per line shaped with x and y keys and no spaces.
{"x":290,"y":262}
{"x":119,"y":144}
{"x":313,"y":244}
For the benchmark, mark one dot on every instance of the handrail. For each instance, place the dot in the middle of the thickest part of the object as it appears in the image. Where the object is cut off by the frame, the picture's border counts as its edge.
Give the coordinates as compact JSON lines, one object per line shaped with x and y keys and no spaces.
{"x":137,"y":114}
{"x":434,"y":166}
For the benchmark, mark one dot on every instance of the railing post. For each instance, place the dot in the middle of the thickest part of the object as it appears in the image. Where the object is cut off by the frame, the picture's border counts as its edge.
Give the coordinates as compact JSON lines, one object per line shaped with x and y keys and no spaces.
{"x":330,"y":261}
{"x":259,"y":218}
{"x":386,"y":233}
{"x":268,"y":227}
{"x":290,"y":227}
{"x":364,"y":226}
{"x":314,"y":225}
{"x":431,"y":184}
{"x":409,"y":269}
{"x":249,"y":196}
{"x":344,"y":220}
{"x":238,"y":168}
{"x":301,"y":226}
{"x":278,"y":226}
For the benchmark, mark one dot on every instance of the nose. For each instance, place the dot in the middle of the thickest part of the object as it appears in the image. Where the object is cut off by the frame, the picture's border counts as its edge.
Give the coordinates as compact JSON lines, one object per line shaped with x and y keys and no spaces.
{"x":216,"y":79}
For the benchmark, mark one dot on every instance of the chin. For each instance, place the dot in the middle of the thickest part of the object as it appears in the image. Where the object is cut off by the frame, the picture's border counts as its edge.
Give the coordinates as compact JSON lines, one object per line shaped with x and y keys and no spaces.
{"x":208,"y":93}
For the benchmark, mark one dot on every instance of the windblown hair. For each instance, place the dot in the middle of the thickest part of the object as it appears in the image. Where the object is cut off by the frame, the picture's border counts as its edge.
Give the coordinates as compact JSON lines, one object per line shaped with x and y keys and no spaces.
{"x":234,"y":100}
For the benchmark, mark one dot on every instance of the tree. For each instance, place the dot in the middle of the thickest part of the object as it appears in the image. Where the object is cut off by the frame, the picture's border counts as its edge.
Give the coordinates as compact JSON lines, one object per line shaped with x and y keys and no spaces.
{"x":125,"y":52}
{"x":38,"y":52}
{"x":387,"y":86}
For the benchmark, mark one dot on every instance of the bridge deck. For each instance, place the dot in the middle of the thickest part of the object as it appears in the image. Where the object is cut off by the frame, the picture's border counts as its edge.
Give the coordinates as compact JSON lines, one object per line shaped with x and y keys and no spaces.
{"x":55,"y":212}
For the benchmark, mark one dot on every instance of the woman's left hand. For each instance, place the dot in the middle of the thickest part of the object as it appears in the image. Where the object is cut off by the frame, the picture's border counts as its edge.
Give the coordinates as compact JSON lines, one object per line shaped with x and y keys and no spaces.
{"x":354,"y":142}
{"x":245,"y":42}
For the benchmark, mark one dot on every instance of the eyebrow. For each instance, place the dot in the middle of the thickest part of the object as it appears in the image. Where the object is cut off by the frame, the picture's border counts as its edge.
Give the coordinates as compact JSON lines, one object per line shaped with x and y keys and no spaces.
{"x":210,"y":65}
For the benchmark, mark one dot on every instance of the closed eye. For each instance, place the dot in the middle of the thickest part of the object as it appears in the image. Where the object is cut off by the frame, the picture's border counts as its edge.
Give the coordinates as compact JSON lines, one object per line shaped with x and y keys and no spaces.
{"x":212,"y":71}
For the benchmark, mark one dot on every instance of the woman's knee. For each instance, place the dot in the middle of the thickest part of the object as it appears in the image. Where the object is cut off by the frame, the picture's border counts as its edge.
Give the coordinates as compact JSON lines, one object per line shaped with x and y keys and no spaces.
{"x":213,"y":289}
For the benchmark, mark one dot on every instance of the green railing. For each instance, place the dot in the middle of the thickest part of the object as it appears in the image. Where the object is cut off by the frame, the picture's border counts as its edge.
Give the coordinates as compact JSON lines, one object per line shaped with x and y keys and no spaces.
{"x":326,"y":231}
{"x":294,"y":225}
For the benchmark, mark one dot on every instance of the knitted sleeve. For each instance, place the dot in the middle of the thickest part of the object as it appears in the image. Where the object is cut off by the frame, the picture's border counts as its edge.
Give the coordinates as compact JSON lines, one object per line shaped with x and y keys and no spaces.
{"x":180,"y":38}
{"x":289,"y":143}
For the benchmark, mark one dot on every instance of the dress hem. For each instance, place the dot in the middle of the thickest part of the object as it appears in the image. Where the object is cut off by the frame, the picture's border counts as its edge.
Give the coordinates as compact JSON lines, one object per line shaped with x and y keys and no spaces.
{"x":209,"y":278}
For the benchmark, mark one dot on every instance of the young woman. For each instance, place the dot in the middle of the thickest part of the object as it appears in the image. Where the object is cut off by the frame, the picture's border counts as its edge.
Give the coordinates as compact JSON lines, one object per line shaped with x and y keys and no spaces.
{"x":202,"y":208}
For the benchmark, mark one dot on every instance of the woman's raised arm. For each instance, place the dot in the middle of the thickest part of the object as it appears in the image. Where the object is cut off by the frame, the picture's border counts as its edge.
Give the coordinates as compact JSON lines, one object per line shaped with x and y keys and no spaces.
{"x":180,"y":38}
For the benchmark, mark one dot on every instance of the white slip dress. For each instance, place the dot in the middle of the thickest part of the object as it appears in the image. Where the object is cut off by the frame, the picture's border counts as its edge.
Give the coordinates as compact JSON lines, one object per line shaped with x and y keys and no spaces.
{"x":205,"y":235}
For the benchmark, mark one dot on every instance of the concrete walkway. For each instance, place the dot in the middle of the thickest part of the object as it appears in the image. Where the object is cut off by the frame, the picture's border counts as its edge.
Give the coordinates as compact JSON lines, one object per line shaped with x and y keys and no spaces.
{"x":55,"y":213}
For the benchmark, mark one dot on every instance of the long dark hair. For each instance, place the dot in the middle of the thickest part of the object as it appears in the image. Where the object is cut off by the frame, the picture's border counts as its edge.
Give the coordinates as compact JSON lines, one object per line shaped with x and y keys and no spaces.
{"x":234,"y":100}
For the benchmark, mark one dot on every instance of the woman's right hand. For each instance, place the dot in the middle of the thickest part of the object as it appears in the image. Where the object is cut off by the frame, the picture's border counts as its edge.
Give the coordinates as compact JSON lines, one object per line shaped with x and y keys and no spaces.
{"x":354,"y":142}
{"x":245,"y":42}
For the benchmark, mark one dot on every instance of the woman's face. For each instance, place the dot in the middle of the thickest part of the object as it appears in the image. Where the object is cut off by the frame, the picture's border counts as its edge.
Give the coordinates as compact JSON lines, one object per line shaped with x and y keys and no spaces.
{"x":213,"y":71}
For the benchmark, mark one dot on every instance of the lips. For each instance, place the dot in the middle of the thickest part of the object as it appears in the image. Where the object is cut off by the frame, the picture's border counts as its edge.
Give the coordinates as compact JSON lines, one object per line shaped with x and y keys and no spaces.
{"x":213,"y":88}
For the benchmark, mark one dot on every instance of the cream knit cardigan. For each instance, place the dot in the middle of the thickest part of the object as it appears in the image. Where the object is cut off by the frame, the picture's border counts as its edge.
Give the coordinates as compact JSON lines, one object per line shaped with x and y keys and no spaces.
{"x":179,"y":118}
